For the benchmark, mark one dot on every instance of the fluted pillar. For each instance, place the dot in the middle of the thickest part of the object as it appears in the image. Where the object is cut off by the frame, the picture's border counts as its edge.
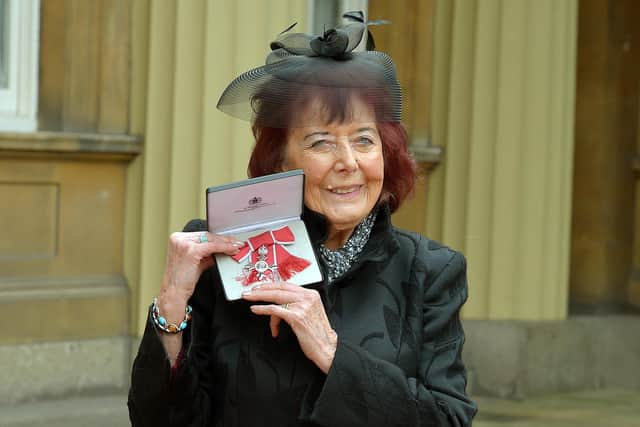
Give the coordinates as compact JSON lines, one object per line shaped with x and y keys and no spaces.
{"x":633,"y":292}
{"x":193,"y":50}
{"x":503,"y":109}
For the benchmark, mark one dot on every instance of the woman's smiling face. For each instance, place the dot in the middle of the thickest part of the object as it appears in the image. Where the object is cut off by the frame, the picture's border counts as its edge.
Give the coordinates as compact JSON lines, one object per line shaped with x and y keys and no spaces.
{"x":343,"y":165}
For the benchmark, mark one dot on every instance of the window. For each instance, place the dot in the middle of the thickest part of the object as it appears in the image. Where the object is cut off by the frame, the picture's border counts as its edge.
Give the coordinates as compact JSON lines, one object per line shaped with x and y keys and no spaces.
{"x":4,"y":45}
{"x":19,"y":29}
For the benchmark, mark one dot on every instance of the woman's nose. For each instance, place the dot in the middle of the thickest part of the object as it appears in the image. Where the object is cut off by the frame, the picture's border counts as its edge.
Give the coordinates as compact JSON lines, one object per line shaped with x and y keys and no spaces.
{"x":346,"y":159}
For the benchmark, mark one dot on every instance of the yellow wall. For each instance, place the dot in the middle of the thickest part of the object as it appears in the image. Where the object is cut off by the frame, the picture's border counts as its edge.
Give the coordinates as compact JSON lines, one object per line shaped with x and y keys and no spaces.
{"x":504,"y":78}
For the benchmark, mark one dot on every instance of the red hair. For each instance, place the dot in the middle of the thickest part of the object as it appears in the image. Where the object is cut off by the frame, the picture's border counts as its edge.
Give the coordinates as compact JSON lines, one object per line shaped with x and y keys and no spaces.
{"x":400,"y":168}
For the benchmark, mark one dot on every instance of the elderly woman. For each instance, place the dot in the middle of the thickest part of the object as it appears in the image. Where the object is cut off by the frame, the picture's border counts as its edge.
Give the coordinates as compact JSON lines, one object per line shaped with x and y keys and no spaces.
{"x":379,"y":341}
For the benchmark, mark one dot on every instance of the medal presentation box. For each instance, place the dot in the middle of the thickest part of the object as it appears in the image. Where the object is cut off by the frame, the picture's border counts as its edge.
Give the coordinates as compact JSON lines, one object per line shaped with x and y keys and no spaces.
{"x":264,"y":213}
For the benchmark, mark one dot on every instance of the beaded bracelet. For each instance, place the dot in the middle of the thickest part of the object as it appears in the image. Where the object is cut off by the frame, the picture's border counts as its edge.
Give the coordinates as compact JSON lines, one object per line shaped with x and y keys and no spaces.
{"x":162,"y":323}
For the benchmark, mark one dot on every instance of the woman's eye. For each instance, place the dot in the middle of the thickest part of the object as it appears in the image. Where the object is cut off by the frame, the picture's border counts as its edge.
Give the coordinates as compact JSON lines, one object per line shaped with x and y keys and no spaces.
{"x":320,"y":144}
{"x":364,"y":142}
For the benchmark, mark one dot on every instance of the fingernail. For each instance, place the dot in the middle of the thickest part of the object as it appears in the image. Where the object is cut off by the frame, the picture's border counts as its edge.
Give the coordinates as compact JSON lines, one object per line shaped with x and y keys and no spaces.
{"x":237,"y":244}
{"x":247,"y":292}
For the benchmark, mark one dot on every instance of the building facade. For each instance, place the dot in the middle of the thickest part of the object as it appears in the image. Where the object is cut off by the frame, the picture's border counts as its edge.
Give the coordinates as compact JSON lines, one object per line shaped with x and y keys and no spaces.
{"x":524,"y":116}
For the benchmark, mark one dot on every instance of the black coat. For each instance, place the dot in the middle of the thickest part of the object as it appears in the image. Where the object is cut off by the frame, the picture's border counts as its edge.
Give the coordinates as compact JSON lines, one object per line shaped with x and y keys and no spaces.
{"x":396,"y":313}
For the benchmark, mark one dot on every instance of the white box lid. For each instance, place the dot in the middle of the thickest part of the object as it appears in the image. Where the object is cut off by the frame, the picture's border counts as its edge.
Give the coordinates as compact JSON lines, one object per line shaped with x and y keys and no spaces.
{"x":256,"y":202}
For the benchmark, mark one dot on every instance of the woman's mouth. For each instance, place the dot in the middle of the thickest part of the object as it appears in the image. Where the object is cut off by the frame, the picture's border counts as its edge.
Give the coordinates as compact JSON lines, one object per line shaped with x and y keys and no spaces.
{"x":345,"y":191}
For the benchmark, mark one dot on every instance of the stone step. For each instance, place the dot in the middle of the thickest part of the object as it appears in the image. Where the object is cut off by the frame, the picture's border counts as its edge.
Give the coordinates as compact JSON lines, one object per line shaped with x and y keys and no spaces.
{"x":91,"y":411}
{"x":594,"y":408}
{"x":59,"y":369}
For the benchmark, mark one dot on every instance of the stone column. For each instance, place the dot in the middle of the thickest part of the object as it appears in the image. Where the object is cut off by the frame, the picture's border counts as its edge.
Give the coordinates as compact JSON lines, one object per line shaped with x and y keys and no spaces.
{"x":194,"y":49}
{"x":606,"y":114}
{"x":503,"y":109}
{"x":633,"y":292}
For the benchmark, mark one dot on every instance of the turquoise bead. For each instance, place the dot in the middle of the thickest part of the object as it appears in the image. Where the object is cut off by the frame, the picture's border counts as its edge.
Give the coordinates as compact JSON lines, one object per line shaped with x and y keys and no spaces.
{"x":162,"y":321}
{"x":183,"y":325}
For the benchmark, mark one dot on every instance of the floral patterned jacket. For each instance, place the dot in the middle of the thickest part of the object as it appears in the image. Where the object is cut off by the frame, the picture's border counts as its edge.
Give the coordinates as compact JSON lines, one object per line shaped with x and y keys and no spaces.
{"x":398,"y":360}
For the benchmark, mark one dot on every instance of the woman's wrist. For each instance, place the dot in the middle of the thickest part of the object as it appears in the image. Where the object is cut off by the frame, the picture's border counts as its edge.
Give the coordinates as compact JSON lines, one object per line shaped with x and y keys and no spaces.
{"x":329,"y":352}
{"x":165,"y":324}
{"x":175,"y":292}
{"x":172,"y":305}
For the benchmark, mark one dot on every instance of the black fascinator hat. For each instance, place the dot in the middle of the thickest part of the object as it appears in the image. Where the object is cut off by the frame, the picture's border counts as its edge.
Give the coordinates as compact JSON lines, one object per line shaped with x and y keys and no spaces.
{"x":302,"y":68}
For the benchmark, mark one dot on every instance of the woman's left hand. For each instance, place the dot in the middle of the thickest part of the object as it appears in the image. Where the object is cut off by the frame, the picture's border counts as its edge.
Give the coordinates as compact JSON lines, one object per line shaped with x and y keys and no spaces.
{"x":302,"y":309}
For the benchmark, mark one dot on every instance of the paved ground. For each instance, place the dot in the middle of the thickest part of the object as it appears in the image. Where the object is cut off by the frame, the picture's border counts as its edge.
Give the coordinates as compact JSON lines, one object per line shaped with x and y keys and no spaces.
{"x":603,"y":408}
{"x":607,"y":408}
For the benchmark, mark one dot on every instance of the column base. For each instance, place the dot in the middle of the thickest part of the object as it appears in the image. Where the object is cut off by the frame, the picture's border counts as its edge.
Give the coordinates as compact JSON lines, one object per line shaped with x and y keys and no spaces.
{"x":518,"y":359}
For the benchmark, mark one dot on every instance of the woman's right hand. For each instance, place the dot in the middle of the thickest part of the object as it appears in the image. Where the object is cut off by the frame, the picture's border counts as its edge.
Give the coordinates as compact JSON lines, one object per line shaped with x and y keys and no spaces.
{"x":188,"y":256}
{"x":187,"y":259}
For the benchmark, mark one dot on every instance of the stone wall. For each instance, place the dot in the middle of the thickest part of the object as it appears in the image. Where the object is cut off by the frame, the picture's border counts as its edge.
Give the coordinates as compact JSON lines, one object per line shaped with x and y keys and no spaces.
{"x":64,"y":368}
{"x":517,"y":359}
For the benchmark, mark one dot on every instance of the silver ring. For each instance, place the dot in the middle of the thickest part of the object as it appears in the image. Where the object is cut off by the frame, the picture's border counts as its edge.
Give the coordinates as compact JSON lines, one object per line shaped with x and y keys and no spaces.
{"x":203,"y":238}
{"x":285,"y":306}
